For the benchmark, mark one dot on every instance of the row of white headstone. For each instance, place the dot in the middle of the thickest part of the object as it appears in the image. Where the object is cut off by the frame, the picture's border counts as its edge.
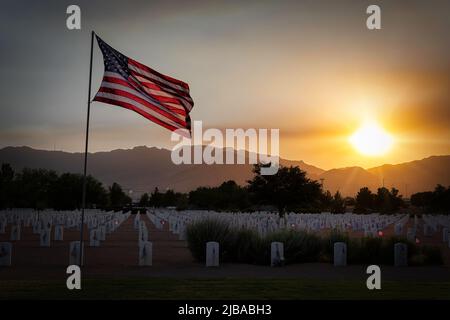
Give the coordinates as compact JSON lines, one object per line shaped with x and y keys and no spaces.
{"x":267,"y":222}
{"x":99,"y":224}
{"x":145,"y":246}
{"x":277,"y":254}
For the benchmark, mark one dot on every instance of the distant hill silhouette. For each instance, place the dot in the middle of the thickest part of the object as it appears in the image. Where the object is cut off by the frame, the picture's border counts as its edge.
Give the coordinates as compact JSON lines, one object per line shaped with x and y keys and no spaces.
{"x":142,"y":169}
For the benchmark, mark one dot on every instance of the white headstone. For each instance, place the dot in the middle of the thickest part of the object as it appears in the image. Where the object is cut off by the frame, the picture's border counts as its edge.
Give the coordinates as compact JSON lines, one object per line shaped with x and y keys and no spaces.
{"x":45,"y":237}
{"x":102,"y":233}
{"x":398,"y":229}
{"x":445,"y":233}
{"x":136,"y":221}
{"x":15,"y":233}
{"x":276,"y":254}
{"x":427,"y":230}
{"x":411,"y":234}
{"x":94,"y":241}
{"x":400,"y":255}
{"x":5,"y":254}
{"x":145,"y":253}
{"x":143,"y":234}
{"x":340,"y":254}
{"x":212,"y":254}
{"x":36,"y":227}
{"x":59,"y":233}
{"x":74,"y":253}
{"x":182,"y":235}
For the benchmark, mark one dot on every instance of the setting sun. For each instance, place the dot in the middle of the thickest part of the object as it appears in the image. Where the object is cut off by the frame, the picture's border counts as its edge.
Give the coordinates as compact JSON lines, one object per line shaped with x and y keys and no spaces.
{"x":371,"y":140}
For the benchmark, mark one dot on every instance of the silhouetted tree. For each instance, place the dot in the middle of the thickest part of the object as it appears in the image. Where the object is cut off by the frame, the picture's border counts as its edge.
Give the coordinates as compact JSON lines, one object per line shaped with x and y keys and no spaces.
{"x":68,"y":190}
{"x":6,"y":185}
{"x":364,"y":201}
{"x":228,"y":196}
{"x":145,"y":200}
{"x":437,"y":201}
{"x":327,"y":201}
{"x":338,"y":204}
{"x":156,"y":198}
{"x":289,"y":188}
{"x":117,"y":197}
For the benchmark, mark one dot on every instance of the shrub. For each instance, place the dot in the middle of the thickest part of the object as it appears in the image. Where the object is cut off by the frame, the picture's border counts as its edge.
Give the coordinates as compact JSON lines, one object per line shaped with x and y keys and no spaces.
{"x":433,"y":255}
{"x":247,"y":246}
{"x":199,"y":233}
{"x":328,"y":242}
{"x":299,"y":246}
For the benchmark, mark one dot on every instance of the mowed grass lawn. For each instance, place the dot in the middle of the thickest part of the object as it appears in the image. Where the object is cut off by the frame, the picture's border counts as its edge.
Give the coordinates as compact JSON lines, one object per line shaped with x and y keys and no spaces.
{"x":228,"y":288}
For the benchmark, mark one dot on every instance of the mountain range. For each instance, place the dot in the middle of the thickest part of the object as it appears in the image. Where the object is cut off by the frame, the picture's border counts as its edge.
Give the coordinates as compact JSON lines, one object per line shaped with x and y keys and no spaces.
{"x":141,"y":169}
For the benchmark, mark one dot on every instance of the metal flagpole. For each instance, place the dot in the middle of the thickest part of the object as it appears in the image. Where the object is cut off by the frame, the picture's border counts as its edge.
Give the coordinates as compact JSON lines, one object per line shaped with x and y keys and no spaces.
{"x":83,"y":203}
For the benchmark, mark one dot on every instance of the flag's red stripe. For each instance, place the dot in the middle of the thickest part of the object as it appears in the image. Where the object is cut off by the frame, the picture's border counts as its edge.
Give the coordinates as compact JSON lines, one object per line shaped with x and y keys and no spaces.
{"x":122,"y":82}
{"x":156,"y":73}
{"x":157,"y":97}
{"x":142,"y":113}
{"x":183,"y":109}
{"x":143,"y":102}
{"x":151,"y":84}
{"x":189,"y":103}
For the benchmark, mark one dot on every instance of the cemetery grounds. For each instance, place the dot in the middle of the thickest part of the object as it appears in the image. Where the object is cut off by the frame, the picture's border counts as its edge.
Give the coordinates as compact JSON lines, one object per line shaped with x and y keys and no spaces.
{"x":111,"y":270}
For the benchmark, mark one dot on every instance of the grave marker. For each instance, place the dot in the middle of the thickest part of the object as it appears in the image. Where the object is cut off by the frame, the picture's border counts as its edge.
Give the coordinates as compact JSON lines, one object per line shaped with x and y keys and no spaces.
{"x":400,"y":255}
{"x":445,"y":233}
{"x":212,"y":254}
{"x":276,"y":254}
{"x":145,"y":253}
{"x":15,"y":233}
{"x":340,"y":254}
{"x":94,"y":241}
{"x":74,"y":253}
{"x":45,"y":238}
{"x":5,"y":254}
{"x":59,"y":233}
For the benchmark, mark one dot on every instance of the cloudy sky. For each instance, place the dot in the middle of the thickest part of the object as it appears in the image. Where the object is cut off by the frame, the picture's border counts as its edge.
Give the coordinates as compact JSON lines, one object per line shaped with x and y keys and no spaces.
{"x":310,"y":68}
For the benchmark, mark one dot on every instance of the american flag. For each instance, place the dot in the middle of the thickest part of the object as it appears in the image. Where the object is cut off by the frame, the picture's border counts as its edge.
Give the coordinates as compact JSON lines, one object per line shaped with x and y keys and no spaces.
{"x":132,"y":85}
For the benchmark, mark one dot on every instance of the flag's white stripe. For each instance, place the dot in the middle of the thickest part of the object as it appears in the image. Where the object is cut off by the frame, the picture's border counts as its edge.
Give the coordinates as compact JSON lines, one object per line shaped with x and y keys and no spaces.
{"x":155,"y":77}
{"x":139,"y":106}
{"x":136,"y":93}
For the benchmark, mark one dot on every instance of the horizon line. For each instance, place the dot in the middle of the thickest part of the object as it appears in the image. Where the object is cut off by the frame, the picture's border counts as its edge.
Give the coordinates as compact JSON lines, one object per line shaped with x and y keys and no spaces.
{"x":163,"y":148}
